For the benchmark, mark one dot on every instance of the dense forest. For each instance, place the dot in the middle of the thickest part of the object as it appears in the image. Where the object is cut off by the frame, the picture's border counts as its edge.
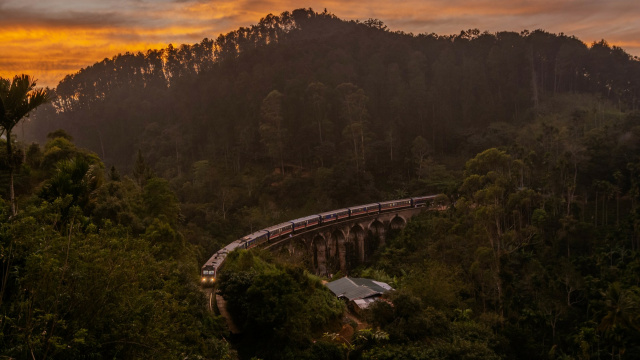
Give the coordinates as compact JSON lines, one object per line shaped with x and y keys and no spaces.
{"x":534,"y":137}
{"x":93,"y":266}
{"x":346,"y":111}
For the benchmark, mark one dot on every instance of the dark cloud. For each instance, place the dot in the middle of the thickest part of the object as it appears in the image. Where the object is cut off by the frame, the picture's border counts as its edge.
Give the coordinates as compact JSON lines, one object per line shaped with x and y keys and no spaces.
{"x":68,"y":19}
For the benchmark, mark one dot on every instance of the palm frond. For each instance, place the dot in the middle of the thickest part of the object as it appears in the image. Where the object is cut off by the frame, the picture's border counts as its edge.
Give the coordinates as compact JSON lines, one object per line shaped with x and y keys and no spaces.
{"x":4,"y":87}
{"x":19,"y":97}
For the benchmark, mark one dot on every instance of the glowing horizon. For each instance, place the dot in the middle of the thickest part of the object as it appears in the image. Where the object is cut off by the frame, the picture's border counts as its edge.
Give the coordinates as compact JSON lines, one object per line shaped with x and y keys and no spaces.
{"x":67,"y":35}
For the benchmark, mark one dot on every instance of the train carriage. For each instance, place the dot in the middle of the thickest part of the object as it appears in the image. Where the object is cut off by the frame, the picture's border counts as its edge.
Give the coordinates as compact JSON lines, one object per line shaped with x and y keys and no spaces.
{"x":395,"y":204}
{"x":373,"y":208}
{"x":357,"y":210}
{"x":305,"y":222}
{"x":421,"y":201}
{"x":255,"y":239}
{"x":334,"y":215}
{"x":364,"y":209}
{"x":279,"y":230}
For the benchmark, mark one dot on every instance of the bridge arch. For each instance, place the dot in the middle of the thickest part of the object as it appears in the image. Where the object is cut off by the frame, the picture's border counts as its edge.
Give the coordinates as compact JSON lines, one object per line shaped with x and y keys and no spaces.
{"x":341,"y":248}
{"x":319,"y":246}
{"x":355,"y":246}
{"x":376,"y":225}
{"x":333,"y":253}
{"x":299,"y":250}
{"x":397,"y":223}
{"x":377,"y":233}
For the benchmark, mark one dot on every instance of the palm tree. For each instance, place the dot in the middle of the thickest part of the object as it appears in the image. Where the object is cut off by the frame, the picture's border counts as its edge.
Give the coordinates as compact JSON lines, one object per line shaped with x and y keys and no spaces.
{"x":17,"y":99}
{"x":622,"y":314}
{"x":622,"y":309}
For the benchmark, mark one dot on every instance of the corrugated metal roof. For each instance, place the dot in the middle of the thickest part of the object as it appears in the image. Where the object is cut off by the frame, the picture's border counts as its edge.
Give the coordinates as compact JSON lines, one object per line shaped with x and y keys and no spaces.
{"x":373,"y":285}
{"x":364,"y":303}
{"x":383,"y":285}
{"x":357,"y":288}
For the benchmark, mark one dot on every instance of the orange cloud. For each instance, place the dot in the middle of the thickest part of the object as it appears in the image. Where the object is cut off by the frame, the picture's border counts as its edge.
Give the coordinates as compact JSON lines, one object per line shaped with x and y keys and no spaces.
{"x":50,"y":54}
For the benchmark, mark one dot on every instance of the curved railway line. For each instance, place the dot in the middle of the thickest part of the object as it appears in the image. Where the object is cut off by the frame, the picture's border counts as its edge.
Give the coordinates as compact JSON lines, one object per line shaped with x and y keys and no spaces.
{"x":276,"y":233}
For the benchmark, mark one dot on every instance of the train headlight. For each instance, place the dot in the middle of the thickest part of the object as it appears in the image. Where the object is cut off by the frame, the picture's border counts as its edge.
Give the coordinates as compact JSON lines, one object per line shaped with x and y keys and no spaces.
{"x":204,"y":279}
{"x":212,"y":279}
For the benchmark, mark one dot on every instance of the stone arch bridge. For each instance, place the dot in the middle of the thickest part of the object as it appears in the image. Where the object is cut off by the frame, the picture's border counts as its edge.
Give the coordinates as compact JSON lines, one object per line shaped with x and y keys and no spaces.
{"x":343,"y":245}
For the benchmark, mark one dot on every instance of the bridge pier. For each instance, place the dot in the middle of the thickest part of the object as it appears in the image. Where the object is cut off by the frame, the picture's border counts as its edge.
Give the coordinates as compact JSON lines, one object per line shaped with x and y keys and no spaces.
{"x":320,"y":253}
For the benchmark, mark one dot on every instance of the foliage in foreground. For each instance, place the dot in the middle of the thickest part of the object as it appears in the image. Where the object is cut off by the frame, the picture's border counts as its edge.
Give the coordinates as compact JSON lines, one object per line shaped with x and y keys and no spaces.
{"x":83,"y":279}
{"x":279,"y":308}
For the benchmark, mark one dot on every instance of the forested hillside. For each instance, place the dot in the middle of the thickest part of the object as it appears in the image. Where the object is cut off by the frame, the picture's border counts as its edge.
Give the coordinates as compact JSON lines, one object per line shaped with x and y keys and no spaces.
{"x":534,"y":137}
{"x":204,"y":101}
{"x":347,"y":111}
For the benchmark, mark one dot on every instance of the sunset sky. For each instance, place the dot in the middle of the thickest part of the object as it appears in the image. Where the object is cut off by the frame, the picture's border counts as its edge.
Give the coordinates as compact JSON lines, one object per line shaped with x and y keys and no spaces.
{"x":50,"y":39}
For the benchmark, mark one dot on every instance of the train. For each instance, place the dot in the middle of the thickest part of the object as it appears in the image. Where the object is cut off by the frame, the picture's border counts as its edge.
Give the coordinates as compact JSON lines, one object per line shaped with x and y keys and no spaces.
{"x":210,"y":269}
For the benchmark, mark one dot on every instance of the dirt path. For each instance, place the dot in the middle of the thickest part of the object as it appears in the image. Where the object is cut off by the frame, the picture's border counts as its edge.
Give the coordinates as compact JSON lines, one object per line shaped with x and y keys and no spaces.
{"x":222,"y":307}
{"x":347,"y":330}
{"x":361,"y":324}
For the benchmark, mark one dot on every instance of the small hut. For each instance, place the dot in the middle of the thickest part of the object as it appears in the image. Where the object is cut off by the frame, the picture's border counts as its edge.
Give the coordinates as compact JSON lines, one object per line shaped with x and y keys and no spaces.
{"x":358,"y":291}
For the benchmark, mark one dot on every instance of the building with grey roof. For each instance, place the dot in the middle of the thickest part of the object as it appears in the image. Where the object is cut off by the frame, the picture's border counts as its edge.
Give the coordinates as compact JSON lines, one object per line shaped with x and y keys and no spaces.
{"x":362,"y":291}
